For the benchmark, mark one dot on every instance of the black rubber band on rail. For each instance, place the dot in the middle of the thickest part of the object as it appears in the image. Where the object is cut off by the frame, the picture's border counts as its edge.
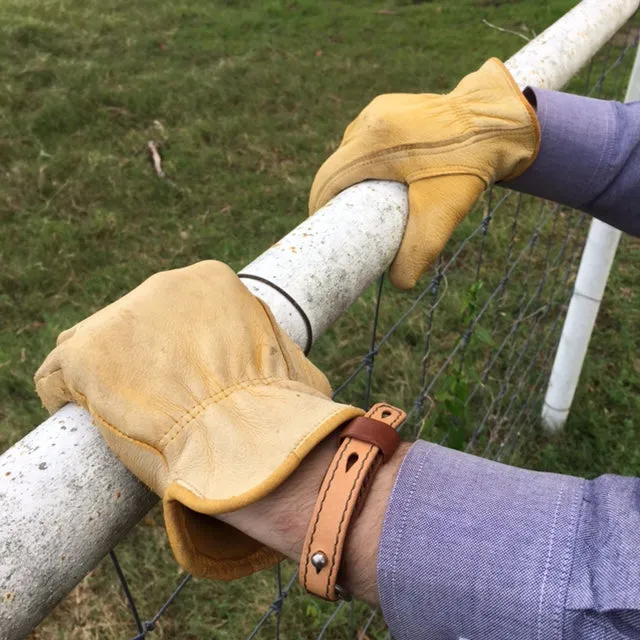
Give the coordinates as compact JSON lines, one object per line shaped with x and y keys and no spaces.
{"x":298,"y":308}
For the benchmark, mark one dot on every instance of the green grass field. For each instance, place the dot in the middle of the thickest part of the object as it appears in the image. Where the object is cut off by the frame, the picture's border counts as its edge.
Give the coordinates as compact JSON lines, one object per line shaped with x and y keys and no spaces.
{"x":245,"y":99}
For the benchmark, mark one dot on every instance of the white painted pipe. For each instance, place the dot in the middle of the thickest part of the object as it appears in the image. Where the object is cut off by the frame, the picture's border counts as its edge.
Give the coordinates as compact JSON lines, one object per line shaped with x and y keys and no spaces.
{"x":551,"y":59}
{"x":593,"y":274}
{"x":66,"y":500}
{"x":325,"y":263}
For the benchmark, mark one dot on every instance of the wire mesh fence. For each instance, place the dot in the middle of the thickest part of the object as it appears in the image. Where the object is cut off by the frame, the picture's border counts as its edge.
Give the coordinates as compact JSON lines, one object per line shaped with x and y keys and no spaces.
{"x":467,"y":354}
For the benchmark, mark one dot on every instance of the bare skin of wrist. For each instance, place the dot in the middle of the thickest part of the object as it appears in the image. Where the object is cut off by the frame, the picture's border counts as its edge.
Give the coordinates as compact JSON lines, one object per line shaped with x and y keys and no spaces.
{"x":280,"y":520}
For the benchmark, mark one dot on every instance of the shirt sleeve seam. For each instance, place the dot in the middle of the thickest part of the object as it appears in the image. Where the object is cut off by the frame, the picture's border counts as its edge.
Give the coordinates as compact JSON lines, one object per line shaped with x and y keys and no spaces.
{"x":566,"y":565}
{"x":547,"y":566}
{"x":397,"y":545}
{"x":605,"y":157}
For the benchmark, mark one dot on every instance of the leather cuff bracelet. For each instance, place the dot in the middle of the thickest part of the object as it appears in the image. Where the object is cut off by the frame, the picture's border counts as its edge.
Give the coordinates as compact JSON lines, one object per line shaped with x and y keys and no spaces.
{"x":365,"y":444}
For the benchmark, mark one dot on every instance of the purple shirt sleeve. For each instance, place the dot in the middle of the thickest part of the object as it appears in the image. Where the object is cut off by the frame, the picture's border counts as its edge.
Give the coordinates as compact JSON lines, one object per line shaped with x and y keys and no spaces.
{"x":472,"y":549}
{"x":589,"y":157}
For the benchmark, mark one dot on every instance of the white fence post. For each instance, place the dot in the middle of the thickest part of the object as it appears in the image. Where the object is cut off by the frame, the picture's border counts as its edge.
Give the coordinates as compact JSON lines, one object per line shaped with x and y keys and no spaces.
{"x":66,"y":500}
{"x":593,"y":274}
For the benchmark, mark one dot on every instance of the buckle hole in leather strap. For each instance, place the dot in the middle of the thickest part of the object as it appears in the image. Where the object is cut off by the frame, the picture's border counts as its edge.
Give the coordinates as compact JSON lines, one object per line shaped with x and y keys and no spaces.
{"x":298,"y":308}
{"x":386,"y":413}
{"x":351,"y":460}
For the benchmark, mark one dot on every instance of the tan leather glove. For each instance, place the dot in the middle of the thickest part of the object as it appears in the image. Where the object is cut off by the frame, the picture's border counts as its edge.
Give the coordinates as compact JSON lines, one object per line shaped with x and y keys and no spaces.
{"x":447,"y":148}
{"x":203,"y":397}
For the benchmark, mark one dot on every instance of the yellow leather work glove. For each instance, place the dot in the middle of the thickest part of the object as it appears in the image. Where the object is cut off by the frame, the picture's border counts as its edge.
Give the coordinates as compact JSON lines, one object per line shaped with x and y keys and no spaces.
{"x":203,"y":397}
{"x":447,"y":148}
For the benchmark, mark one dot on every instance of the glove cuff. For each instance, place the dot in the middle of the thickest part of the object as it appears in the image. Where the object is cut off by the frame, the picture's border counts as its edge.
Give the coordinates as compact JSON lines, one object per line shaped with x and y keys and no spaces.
{"x":209,"y":548}
{"x":528,"y":146}
{"x":287,"y":426}
{"x":502,"y":122}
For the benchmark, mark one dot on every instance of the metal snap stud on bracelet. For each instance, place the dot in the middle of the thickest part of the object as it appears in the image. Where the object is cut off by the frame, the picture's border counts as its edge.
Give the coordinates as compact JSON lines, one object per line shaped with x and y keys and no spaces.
{"x":319,"y":561}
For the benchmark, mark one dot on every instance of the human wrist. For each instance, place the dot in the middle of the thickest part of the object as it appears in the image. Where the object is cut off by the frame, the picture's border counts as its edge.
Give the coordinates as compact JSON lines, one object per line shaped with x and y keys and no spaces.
{"x":280,"y":520}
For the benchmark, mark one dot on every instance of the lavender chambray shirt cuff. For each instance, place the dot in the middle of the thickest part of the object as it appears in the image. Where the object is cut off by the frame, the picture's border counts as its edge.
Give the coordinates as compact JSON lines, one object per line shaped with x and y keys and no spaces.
{"x":575,"y":147}
{"x":475,"y":549}
{"x":589,"y":156}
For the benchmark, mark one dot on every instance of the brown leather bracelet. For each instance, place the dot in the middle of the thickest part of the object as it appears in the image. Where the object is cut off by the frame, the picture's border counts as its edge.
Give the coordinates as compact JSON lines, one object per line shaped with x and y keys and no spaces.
{"x":365,"y":444}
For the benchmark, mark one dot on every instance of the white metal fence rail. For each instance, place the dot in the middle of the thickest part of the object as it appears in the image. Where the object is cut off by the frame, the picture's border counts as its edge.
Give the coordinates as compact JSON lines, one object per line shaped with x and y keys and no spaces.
{"x":67,"y":501}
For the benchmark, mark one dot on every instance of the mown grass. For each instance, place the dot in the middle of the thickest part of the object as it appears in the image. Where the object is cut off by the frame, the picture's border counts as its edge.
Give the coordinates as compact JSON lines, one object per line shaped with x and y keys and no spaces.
{"x":246,"y":99}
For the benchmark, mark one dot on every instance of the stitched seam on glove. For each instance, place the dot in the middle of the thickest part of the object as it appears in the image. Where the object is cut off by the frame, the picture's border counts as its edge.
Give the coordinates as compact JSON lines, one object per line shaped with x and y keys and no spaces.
{"x":453,"y":170}
{"x":196,"y":492}
{"x":417,"y":149}
{"x":201,"y":406}
{"x":460,"y":142}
